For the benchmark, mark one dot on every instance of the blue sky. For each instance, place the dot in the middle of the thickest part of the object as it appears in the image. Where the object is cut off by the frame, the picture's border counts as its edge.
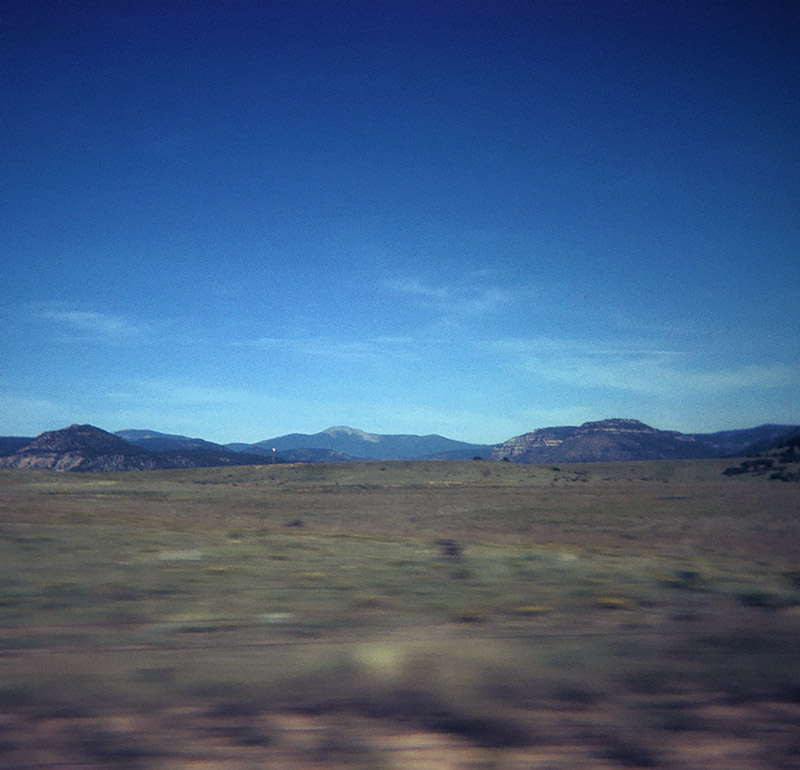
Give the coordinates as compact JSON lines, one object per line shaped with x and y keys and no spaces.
{"x":236,"y":220}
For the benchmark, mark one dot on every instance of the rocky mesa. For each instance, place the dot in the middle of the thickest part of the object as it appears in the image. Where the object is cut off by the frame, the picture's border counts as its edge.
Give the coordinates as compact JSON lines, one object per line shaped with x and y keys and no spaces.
{"x":614,"y":440}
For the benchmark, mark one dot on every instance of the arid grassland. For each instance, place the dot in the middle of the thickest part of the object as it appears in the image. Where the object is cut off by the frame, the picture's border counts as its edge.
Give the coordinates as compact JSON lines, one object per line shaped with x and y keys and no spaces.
{"x":400,"y":615}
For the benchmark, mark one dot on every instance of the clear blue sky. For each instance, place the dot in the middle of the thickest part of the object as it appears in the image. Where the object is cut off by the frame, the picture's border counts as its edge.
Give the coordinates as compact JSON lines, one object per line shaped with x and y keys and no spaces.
{"x":239,"y":219}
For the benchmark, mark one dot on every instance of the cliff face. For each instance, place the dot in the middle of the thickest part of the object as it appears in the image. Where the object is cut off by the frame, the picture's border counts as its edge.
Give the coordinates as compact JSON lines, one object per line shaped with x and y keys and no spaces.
{"x":603,"y":441}
{"x":543,"y":442}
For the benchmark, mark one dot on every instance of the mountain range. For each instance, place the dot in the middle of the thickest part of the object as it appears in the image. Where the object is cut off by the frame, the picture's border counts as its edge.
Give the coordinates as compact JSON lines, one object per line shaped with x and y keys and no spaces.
{"x":355,"y":443}
{"x":87,"y":448}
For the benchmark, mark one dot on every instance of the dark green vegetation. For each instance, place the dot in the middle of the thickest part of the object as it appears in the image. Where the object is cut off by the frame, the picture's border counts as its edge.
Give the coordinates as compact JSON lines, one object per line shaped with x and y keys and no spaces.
{"x":400,"y":615}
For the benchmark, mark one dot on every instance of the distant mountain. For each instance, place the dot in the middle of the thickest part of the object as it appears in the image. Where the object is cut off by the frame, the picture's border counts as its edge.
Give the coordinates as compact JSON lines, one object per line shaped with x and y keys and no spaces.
{"x":745,"y":442}
{"x":196,"y":452}
{"x":82,"y":448}
{"x":785,"y":447}
{"x":311,"y":455}
{"x":471,"y":452}
{"x":86,"y":448}
{"x":373,"y":446}
{"x":238,"y":446}
{"x":604,"y":441}
{"x":163,"y":442}
{"x":778,"y":459}
{"x":10,"y":444}
{"x":211,"y":458}
{"x":308,"y":455}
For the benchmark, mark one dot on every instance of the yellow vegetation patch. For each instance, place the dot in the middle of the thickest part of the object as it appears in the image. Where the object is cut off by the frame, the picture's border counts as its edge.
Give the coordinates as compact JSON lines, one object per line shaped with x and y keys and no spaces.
{"x":615,"y":603}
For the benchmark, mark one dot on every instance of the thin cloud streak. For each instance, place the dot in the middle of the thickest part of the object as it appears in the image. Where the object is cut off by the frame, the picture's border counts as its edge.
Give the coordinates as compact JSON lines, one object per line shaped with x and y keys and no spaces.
{"x":651,"y":375}
{"x":309,"y":347}
{"x":375,"y":348}
{"x":643,"y":370}
{"x":418,"y":289}
{"x":89,"y":324}
{"x":454,"y":302}
{"x":555,"y":346}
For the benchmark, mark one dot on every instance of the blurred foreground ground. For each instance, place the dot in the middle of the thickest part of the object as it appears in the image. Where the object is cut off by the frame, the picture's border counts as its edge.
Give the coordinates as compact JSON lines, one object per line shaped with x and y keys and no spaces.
{"x":594,"y":616}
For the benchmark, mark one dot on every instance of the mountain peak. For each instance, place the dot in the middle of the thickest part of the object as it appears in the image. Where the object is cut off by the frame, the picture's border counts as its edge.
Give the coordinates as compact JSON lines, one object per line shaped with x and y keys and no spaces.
{"x":344,"y":430}
{"x":78,"y":437}
{"x":357,"y":444}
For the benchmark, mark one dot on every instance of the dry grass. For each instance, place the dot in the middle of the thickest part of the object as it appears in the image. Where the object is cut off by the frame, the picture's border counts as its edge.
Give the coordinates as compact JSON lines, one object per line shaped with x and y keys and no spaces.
{"x":304,"y":616}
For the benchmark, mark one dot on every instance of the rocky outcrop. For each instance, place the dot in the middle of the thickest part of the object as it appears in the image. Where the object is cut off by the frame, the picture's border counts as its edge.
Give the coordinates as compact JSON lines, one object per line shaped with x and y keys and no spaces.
{"x":82,"y":448}
{"x":541,"y":443}
{"x":603,"y":441}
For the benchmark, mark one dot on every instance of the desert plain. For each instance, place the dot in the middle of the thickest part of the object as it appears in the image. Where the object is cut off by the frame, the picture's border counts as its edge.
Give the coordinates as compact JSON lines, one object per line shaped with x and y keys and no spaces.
{"x":481,"y":615}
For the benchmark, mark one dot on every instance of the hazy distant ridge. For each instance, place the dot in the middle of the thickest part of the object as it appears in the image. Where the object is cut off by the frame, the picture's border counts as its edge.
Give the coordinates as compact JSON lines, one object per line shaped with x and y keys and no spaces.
{"x":87,"y":448}
{"x":372,"y":446}
{"x":610,"y":440}
{"x":164,"y":442}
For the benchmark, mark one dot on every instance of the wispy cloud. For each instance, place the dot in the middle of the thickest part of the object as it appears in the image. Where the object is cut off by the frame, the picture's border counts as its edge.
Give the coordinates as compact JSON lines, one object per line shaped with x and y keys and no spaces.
{"x":645,"y":370}
{"x":453,"y":301}
{"x":326,"y":347}
{"x":416,"y":288}
{"x":656,"y":375}
{"x":319,"y":346}
{"x":89,"y":324}
{"x":560,"y":347}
